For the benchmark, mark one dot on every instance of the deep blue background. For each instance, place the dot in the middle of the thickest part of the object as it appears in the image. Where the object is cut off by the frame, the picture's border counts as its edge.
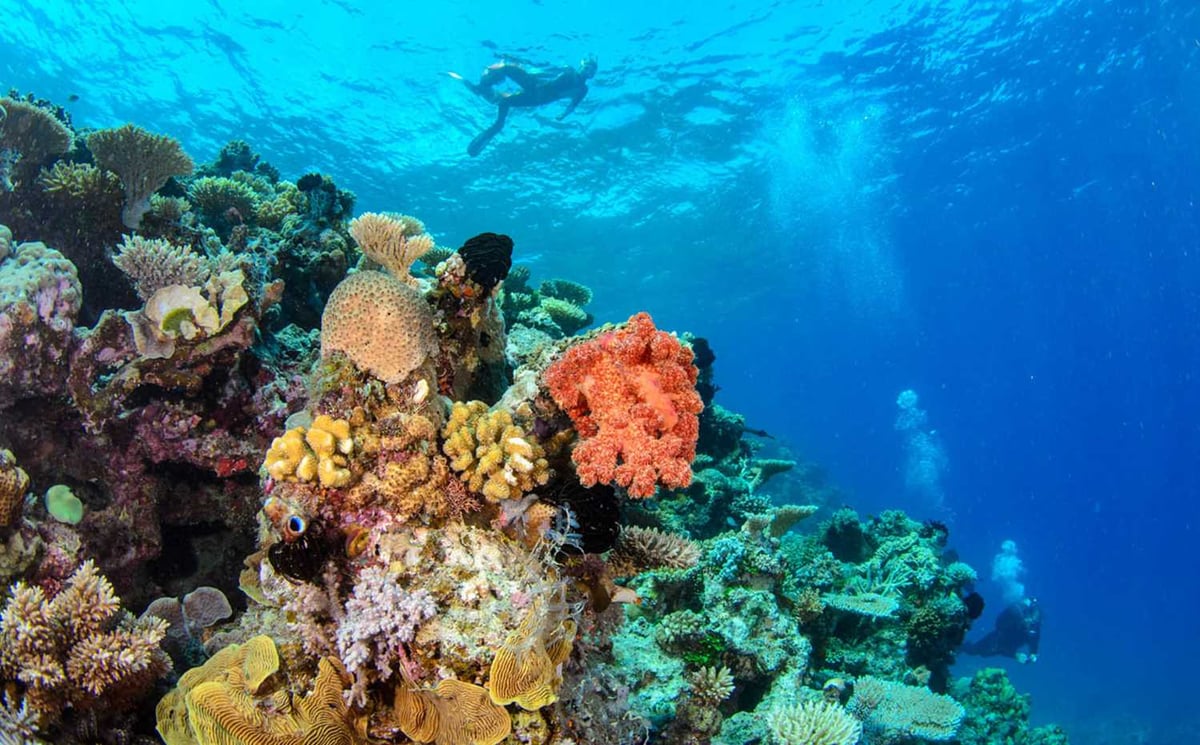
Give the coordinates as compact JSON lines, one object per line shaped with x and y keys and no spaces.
{"x":992,"y":203}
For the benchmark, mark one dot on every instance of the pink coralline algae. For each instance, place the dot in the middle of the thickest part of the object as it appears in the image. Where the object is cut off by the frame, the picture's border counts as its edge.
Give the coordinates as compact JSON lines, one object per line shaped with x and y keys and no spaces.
{"x":40,"y":297}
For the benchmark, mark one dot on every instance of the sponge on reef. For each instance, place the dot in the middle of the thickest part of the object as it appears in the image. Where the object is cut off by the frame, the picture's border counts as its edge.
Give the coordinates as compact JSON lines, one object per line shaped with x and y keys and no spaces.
{"x":384,"y":326}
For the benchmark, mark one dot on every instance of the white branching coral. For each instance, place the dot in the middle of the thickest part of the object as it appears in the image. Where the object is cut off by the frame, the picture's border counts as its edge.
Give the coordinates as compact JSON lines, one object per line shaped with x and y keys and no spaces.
{"x":380,"y":618}
{"x":712,"y":685}
{"x":814,"y":723}
{"x":77,"y":649}
{"x":153,"y":263}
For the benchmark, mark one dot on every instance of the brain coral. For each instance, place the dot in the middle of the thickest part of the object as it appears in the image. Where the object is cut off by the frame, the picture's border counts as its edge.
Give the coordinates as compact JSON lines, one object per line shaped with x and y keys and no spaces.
{"x":383,"y":325}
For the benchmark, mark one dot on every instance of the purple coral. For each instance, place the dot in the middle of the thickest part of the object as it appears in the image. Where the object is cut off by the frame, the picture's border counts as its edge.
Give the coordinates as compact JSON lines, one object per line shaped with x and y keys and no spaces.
{"x":380,"y":618}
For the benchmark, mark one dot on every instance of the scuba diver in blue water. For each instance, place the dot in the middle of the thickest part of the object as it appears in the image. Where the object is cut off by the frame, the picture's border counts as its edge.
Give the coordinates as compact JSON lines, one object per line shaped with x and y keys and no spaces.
{"x":536,"y":89}
{"x":1017,"y":633}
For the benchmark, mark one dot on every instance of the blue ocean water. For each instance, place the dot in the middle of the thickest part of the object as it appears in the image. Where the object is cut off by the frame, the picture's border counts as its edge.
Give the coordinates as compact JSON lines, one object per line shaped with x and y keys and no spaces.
{"x":989,"y":203}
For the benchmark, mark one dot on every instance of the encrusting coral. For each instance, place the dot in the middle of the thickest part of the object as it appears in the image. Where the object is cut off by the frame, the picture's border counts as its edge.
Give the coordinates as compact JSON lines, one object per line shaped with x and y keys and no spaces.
{"x":14,"y":482}
{"x":494,"y":456}
{"x":76,"y":649}
{"x":631,"y":393}
{"x":40,"y":297}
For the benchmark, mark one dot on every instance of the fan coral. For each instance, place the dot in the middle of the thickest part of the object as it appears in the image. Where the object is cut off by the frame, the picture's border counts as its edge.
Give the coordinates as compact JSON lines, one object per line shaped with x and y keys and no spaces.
{"x":631,"y":393}
{"x":493,"y":456}
{"x":383,"y":325}
{"x":895,"y":712}
{"x":814,"y":723}
{"x":142,"y":160}
{"x":75,"y":649}
{"x":393,"y":242}
{"x":13,"y":484}
{"x":317,"y":454}
{"x":153,"y":263}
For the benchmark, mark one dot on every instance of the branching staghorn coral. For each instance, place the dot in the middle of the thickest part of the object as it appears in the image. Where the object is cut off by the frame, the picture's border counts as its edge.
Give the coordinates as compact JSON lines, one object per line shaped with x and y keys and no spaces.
{"x":492,"y":455}
{"x":153,"y":263}
{"x":814,"y":723}
{"x":78,"y":180}
{"x":142,"y":160}
{"x":639,"y":549}
{"x":711,"y":685}
{"x":76,"y":650}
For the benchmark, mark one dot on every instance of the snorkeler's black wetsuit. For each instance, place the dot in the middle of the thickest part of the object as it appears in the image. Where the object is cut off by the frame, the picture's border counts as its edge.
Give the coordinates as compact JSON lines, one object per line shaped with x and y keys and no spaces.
{"x":1019,"y":625}
{"x":536,"y":90}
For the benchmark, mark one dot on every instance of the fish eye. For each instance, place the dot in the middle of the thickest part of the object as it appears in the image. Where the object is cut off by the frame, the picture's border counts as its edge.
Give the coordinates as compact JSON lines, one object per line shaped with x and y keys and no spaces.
{"x":296,"y":525}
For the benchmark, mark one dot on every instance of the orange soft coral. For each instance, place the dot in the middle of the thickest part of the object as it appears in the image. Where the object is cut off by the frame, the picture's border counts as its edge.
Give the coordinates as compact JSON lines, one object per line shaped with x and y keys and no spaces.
{"x":631,"y":394}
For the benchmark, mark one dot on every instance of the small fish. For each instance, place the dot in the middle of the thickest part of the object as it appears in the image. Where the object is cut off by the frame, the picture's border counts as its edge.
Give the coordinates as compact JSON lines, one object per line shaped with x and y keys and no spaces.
{"x":72,"y":98}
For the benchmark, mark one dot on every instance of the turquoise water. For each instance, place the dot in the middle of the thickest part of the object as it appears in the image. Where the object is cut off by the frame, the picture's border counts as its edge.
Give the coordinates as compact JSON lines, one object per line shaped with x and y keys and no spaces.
{"x":989,"y":203}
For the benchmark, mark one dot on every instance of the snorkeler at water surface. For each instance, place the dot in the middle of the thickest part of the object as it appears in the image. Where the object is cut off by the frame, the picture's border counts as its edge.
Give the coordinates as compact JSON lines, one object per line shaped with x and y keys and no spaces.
{"x":536,"y":89}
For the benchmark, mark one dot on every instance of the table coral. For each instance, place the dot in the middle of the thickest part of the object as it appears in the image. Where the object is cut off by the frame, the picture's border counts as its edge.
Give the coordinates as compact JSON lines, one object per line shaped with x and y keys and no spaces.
{"x":632,"y":397}
{"x":142,"y":160}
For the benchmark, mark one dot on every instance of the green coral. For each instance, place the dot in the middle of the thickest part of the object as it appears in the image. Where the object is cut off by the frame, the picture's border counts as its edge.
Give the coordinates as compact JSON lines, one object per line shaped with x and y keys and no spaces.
{"x":997,"y":714}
